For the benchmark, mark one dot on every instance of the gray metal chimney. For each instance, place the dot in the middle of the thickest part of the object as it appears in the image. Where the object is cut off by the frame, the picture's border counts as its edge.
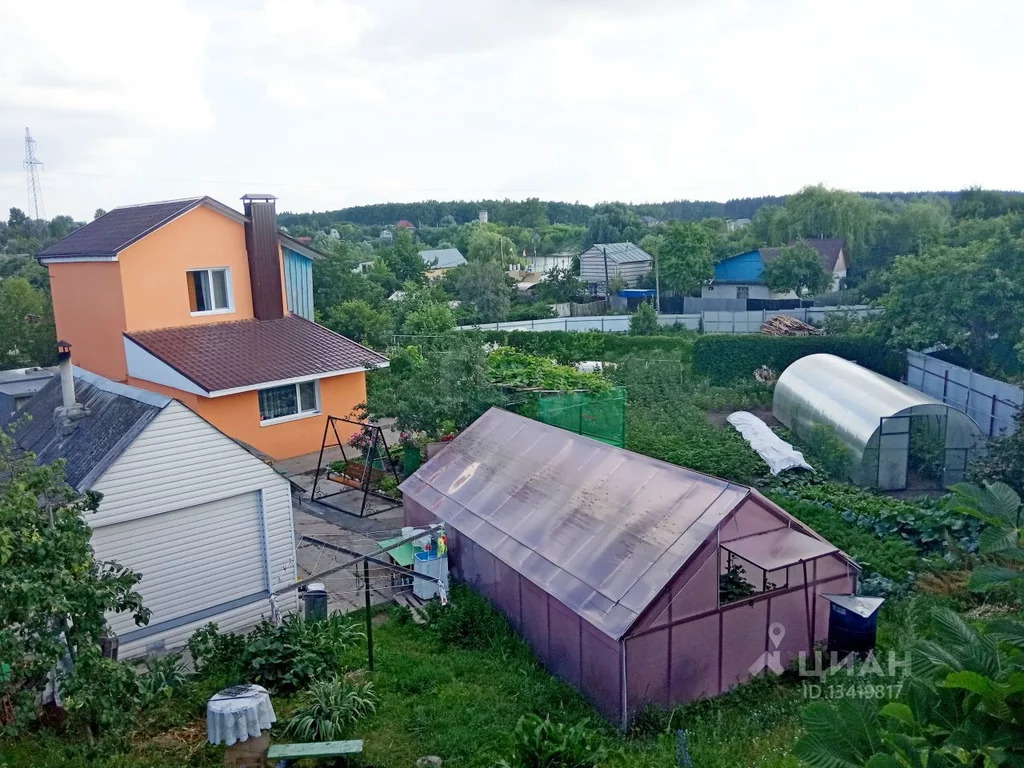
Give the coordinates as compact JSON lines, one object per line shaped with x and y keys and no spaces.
{"x":67,"y":376}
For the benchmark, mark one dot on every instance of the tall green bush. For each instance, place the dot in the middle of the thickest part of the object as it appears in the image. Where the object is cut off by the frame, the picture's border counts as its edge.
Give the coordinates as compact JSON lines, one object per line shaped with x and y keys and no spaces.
{"x":724,"y":358}
{"x":571,"y":347}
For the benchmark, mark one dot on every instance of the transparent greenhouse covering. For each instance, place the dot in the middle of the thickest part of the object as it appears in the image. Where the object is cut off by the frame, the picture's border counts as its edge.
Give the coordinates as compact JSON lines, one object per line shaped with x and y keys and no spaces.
{"x":871,"y":415}
{"x":601,"y":529}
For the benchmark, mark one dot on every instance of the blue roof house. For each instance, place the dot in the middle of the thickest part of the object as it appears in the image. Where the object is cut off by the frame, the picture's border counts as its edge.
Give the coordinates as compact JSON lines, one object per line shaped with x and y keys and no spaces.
{"x":742,"y":276}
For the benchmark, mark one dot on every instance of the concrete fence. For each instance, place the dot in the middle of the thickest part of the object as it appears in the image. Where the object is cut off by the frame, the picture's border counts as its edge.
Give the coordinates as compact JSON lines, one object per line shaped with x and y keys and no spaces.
{"x":708,"y":322}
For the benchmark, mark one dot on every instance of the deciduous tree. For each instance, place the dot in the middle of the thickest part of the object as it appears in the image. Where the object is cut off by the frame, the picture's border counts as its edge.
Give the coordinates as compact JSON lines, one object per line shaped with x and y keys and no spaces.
{"x":798,"y":269}
{"x":685,"y":257}
{"x":54,"y":591}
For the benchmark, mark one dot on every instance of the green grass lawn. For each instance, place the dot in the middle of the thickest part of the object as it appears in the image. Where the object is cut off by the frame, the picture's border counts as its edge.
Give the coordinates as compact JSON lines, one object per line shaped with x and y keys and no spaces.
{"x":462,"y":704}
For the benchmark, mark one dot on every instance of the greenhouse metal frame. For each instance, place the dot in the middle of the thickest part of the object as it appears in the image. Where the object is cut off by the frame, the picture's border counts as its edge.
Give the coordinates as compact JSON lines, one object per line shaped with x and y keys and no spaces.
{"x":895,"y":436}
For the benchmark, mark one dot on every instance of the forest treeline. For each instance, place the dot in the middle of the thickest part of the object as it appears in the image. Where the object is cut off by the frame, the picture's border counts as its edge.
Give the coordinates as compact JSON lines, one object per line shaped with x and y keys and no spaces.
{"x":525,"y":213}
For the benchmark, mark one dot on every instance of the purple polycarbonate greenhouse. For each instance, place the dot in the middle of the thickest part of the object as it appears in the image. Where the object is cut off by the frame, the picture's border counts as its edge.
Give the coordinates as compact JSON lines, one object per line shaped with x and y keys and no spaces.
{"x":608,"y":562}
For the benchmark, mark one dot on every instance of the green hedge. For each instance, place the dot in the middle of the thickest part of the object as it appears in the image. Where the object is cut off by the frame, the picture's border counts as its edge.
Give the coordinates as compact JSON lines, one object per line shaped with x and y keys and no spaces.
{"x":571,"y":347}
{"x":724,"y":358}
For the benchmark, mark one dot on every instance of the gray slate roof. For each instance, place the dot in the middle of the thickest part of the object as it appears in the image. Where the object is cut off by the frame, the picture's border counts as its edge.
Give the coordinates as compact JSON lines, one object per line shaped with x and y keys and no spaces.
{"x":117,"y":414}
{"x":443,"y":258}
{"x":618,"y":253}
{"x":117,"y":229}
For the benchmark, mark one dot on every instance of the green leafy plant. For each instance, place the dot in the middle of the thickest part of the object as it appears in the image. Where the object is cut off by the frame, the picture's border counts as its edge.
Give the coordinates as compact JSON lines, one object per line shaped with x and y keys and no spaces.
{"x":643,"y":322}
{"x":329,"y":708}
{"x":389,"y":486}
{"x":733,"y":584}
{"x":1000,"y":543}
{"x":468,"y":621}
{"x":54,"y":593}
{"x":828,"y":453}
{"x":963,"y":705}
{"x":511,"y":368}
{"x":282,"y":657}
{"x":541,"y":743}
{"x":163,"y":678}
{"x":100,"y":694}
{"x":895,"y":560}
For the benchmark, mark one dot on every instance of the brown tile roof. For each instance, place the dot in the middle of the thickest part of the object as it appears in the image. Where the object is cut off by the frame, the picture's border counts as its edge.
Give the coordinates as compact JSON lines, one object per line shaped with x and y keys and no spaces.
{"x":244,"y":353}
{"x":117,"y":229}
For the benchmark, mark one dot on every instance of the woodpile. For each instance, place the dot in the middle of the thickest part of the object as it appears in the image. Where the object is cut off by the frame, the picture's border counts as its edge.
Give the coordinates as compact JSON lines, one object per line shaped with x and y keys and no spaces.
{"x":784,"y":325}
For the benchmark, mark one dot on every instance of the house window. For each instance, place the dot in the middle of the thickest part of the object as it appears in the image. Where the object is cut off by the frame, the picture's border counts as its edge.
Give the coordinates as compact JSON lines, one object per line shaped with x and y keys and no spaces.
{"x":742,"y":292}
{"x":209,"y":290}
{"x":292,"y":401}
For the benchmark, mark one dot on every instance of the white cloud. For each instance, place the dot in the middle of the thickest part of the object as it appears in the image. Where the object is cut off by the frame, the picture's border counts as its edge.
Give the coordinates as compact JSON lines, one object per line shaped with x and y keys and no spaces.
{"x":338,"y":102}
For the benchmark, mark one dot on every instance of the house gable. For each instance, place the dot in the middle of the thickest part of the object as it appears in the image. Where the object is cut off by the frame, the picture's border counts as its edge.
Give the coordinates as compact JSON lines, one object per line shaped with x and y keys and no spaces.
{"x":178,"y":455}
{"x":154,"y":271}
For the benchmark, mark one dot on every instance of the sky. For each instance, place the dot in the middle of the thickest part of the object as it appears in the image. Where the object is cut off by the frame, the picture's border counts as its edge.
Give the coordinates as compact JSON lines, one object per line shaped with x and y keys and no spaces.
{"x":331,"y":103}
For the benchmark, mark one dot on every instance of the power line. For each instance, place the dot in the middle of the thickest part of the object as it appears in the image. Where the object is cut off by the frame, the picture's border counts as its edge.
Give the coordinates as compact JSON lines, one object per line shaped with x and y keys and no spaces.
{"x":33,"y":166}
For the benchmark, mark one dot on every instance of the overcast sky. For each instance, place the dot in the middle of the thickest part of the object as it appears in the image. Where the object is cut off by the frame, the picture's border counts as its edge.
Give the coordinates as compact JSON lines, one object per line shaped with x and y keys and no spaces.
{"x":329,"y":103}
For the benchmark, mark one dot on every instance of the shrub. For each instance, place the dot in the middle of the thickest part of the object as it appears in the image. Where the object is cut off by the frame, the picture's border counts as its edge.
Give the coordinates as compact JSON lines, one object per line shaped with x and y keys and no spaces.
{"x":829,"y":454}
{"x":571,"y":347}
{"x":100,"y":694}
{"x":726,"y":357}
{"x":329,"y":708}
{"x":643,"y":322}
{"x":540,"y":743}
{"x":282,"y":658}
{"x":163,"y":678}
{"x":468,"y":621}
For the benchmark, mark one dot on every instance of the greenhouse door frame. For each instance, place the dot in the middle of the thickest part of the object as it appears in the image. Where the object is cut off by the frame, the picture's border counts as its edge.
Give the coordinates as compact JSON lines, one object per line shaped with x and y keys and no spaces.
{"x":903,"y":448}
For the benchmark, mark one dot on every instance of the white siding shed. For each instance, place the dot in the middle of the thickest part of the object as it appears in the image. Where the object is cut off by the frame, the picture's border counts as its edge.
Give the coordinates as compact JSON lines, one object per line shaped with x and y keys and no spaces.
{"x":206,"y":524}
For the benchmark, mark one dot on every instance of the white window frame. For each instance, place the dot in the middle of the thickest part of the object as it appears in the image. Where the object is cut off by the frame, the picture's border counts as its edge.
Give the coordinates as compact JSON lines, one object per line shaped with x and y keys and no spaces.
{"x":298,"y":400}
{"x":230,"y":308}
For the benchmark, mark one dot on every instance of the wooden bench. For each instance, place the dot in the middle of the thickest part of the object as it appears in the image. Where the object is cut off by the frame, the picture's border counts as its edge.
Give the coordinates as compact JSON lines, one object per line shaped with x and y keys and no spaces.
{"x":285,"y":752}
{"x":355,"y":475}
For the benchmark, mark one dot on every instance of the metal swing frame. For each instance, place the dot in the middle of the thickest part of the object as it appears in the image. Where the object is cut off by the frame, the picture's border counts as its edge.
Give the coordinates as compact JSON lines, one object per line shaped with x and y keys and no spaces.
{"x":378,"y":450}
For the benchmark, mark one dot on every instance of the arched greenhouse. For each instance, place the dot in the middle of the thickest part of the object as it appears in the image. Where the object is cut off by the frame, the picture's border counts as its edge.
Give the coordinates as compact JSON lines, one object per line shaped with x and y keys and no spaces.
{"x":895,"y":437}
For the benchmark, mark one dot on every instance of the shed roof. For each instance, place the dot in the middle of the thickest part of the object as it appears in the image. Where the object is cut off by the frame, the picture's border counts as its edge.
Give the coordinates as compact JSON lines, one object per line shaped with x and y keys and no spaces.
{"x":443,"y":258}
{"x":618,"y":253}
{"x":115,"y":415}
{"x":601,"y":529}
{"x":115,"y":230}
{"x":18,"y":382}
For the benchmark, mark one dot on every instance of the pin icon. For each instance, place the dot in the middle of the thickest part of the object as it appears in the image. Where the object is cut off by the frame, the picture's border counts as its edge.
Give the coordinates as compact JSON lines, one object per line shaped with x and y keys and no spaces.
{"x":771,"y":660}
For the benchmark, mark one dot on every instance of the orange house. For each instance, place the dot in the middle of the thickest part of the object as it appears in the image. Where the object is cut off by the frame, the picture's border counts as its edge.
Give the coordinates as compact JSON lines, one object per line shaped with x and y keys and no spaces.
{"x":192,"y":299}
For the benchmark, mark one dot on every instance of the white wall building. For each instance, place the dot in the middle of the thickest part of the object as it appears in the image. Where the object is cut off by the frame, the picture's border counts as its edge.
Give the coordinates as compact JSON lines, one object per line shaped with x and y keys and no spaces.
{"x":206,"y":523}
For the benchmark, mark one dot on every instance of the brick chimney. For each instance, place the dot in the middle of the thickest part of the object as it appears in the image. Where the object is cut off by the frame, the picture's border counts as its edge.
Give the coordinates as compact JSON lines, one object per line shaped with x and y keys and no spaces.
{"x":261,"y":244}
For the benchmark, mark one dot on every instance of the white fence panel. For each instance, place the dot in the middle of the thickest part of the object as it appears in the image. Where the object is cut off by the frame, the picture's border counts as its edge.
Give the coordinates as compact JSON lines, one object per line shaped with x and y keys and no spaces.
{"x":709,"y":322}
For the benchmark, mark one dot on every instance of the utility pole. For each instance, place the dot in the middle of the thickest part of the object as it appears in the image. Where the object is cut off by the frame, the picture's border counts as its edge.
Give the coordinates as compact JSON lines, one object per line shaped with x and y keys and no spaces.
{"x":657,"y":284}
{"x":33,"y":166}
{"x":607,"y":282}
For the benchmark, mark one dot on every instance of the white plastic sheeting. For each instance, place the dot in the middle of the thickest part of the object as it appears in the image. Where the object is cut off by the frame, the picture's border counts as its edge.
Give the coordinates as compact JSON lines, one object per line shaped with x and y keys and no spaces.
{"x":776,"y":452}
